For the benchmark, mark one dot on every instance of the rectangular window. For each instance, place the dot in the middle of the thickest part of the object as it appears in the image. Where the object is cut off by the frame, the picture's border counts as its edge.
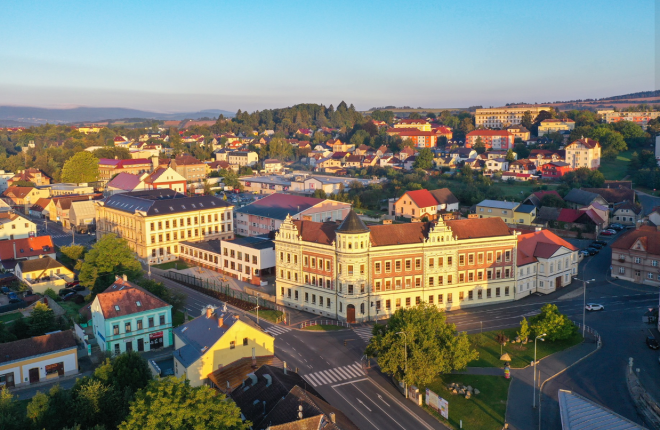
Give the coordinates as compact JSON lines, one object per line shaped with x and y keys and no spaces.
{"x":139,"y":324}
{"x":449,"y":297}
{"x":418,"y":300}
{"x":461,"y":260}
{"x":440,"y":298}
{"x":497,"y":292}
{"x":461,"y":296}
{"x":150,"y":320}
{"x":127,"y":327}
{"x":479,"y":295}
{"x":480,"y":275}
{"x":430,"y":281}
{"x":499,"y":256}
{"x":470,"y":258}
{"x":506,"y":291}
{"x":388,"y":266}
{"x":490,"y":257}
{"x":245,"y":341}
{"x":115,"y":330}
{"x":480,"y":258}
{"x":388,"y":304}
{"x":418,"y":263}
{"x":461,"y":277}
{"x":408,"y":264}
{"x":507,"y":255}
{"x":488,"y":293}
{"x":377,"y":284}
{"x":431,"y":261}
{"x":361,"y":269}
{"x":350,"y":269}
{"x":430,"y":300}
{"x":397,"y":265}
{"x":232,"y":344}
{"x":398,"y":303}
{"x":161,"y":319}
{"x":449,"y":261}
{"x":450,"y":279}
{"x":470,"y":276}
{"x":440,"y":261}
{"x":470,"y":295}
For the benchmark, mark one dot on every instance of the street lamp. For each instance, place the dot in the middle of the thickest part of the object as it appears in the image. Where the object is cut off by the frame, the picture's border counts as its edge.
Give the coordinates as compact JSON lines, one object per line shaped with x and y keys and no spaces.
{"x":541,"y":336}
{"x":405,"y":369}
{"x":584,"y":302}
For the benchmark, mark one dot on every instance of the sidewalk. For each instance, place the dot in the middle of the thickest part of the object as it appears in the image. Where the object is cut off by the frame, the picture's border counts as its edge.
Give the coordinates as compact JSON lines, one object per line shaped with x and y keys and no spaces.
{"x":28,"y":391}
{"x":519,"y":412}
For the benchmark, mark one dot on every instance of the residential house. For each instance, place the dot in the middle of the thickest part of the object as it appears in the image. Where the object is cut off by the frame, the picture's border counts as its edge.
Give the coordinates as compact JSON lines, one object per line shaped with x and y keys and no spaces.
{"x":545,"y":263}
{"x":278,"y":399}
{"x":463,"y":154}
{"x":267,"y":214}
{"x":36,"y":176}
{"x":242,"y":158}
{"x":154,"y":222}
{"x":585,"y":219}
{"x":31,"y":248}
{"x":509,"y":212}
{"x":165,"y":178}
{"x":43,"y":273}
{"x":416,"y":205}
{"x":215,"y":339}
{"x":583,"y":152}
{"x":63,"y":207}
{"x":519,"y":132}
{"x":537,"y":196}
{"x":273,"y":165}
{"x":364,"y":150}
{"x":564,"y":126}
{"x":14,"y":226}
{"x":627,"y":214}
{"x":636,"y":256}
{"x":41,"y":209}
{"x":544,"y":156}
{"x":449,"y":163}
{"x":578,"y":198}
{"x":68,"y":189}
{"x":492,"y":139}
{"x":189,"y":167}
{"x":447,"y":201}
{"x":555,"y":169}
{"x":126,"y":317}
{"x":614,"y":197}
{"x":496,"y":165}
{"x":82,"y":216}
{"x":21,"y":198}
{"x":336,"y":145}
{"x":523,"y":166}
{"x":247,"y":258}
{"x":405,"y":153}
{"x":517,"y":176}
{"x":5,"y":177}
{"x":109,"y":167}
{"x":443,"y":131}
{"x":370,"y":161}
{"x":421,"y":139}
{"x":354,"y":161}
{"x":38,"y":359}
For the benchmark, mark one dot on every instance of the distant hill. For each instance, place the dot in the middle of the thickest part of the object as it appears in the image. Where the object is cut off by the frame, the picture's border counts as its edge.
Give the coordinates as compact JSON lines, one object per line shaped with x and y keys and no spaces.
{"x":620,"y":102}
{"x":35,"y":115}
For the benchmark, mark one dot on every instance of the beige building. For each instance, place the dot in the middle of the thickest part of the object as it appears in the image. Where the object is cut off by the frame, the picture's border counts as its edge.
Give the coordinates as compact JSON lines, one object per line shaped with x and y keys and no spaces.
{"x":505,"y":116}
{"x":548,"y":126}
{"x":154,"y":222}
{"x":14,"y":226}
{"x":641,"y":118}
{"x":352,"y":272}
{"x":636,"y":256}
{"x":519,"y":132}
{"x":583,"y":153}
{"x":419,"y":124}
{"x":242,"y":158}
{"x":509,"y":212}
{"x":189,"y":167}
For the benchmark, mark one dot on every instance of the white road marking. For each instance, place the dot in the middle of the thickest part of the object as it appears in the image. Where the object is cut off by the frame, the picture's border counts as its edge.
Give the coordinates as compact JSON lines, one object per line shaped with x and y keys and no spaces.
{"x":367,"y":408}
{"x":383,"y":400}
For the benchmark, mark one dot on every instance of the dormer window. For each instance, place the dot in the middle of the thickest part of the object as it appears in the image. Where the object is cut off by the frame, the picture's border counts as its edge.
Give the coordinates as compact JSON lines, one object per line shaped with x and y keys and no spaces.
{"x":138,"y":303}
{"x":116,"y":308}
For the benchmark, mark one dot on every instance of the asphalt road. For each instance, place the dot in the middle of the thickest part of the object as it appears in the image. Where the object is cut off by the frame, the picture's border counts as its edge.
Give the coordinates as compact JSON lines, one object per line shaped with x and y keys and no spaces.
{"x":60,"y":236}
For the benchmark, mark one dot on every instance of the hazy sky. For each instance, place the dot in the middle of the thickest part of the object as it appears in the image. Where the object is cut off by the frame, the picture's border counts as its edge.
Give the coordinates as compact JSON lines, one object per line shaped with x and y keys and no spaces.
{"x":187,"y":55}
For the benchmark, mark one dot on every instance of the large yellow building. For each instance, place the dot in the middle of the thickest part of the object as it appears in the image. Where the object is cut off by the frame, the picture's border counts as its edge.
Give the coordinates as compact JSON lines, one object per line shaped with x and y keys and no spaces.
{"x":419,"y":124}
{"x":214,"y":340}
{"x":583,"y":152}
{"x":559,"y":125}
{"x":154,"y":222}
{"x":505,"y":116}
{"x":352,"y":272}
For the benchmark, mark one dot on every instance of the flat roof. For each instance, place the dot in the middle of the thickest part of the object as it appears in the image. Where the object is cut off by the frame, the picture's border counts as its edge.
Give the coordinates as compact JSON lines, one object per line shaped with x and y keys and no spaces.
{"x":498,"y":204}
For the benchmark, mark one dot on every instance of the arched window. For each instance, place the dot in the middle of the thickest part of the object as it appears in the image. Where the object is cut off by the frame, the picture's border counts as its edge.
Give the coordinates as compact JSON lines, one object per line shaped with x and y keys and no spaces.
{"x":361,"y":245}
{"x":350,"y":245}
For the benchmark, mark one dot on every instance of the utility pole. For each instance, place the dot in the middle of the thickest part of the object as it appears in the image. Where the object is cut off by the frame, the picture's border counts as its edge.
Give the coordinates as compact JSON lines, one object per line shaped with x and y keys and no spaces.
{"x":73,"y":236}
{"x":584,"y":302}
{"x":535,"y":363}
{"x":405,"y":369}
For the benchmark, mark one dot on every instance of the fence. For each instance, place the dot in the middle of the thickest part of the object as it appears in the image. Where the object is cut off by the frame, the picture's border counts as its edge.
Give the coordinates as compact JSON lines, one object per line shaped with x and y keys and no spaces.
{"x":324,"y":322}
{"x":222,"y":291}
{"x":588,"y":331}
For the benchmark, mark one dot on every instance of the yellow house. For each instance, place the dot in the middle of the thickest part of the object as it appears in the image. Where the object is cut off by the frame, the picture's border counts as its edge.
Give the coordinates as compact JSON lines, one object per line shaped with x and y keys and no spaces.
{"x":90,"y":129}
{"x":38,"y":359}
{"x":509,"y":212}
{"x":43,"y":273}
{"x":583,"y":152}
{"x":214,"y":340}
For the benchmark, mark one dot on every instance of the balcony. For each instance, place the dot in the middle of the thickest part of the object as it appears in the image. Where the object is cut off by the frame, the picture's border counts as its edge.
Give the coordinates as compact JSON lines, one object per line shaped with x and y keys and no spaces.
{"x":40,"y":285}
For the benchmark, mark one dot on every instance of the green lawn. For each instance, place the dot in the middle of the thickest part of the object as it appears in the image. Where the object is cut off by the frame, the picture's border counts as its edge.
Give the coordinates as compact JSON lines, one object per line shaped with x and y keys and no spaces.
{"x":323,"y":327}
{"x":269,"y":315}
{"x":10,"y":317}
{"x":483,"y":411}
{"x":521,"y":355}
{"x":617,"y":168}
{"x":71,"y":309}
{"x":177,"y":264}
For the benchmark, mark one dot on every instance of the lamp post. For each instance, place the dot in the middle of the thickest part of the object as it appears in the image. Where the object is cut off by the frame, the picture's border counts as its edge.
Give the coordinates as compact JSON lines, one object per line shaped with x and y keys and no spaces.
{"x":405,"y":348}
{"x":541,"y":336}
{"x":584,"y":302}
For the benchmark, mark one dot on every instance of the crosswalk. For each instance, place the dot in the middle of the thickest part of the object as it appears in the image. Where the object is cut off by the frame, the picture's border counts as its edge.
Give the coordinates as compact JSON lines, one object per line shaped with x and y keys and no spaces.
{"x":337,"y":374}
{"x":59,"y":236}
{"x":364,"y":332}
{"x":275,"y":330}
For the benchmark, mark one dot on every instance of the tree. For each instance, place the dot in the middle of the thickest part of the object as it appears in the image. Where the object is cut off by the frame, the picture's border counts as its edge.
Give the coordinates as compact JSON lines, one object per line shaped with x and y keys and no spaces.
{"x":524,"y":331}
{"x":479,"y":145}
{"x":174,"y":298}
{"x":527,"y":120}
{"x":42,"y":320}
{"x":182,"y":407}
{"x":82,"y":167}
{"x":130,"y":371}
{"x":414,"y":115}
{"x":555,"y":325}
{"x":383,"y":115}
{"x":108,"y":258}
{"x":12,"y":416}
{"x":432,"y":344}
{"x":510,"y":156}
{"x":280,"y":149}
{"x":37,"y":409}
{"x":73,"y":256}
{"x":112,"y":152}
{"x":424,"y":159}
{"x":522,"y":150}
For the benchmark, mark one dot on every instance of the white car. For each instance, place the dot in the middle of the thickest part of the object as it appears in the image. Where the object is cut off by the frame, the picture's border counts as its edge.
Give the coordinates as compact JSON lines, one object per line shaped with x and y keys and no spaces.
{"x":594,"y":307}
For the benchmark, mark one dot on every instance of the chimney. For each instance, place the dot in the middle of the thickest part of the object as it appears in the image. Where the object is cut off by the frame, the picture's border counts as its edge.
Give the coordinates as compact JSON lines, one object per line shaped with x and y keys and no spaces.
{"x":332,"y":417}
{"x":209,"y":312}
{"x":220,"y":321}
{"x":124,"y":277}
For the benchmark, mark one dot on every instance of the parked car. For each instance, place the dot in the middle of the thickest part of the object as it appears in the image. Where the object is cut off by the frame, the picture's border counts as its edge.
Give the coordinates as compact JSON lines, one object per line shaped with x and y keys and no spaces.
{"x":64,"y":291}
{"x":595,"y":245}
{"x":12,"y":296}
{"x":5,"y":290}
{"x":78,"y":288}
{"x":652,"y":342}
{"x":593,"y":251}
{"x":14,"y":300}
{"x":70,"y":296}
{"x":616,"y":226}
{"x":607,"y":233}
{"x":600,"y":242}
{"x":594,"y":307}
{"x":72,"y":284}
{"x":584,"y":253}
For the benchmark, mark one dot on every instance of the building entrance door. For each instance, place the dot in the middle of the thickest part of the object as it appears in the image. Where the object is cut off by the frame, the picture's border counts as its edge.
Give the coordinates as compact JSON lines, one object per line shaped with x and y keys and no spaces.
{"x":557,"y":282}
{"x":350,"y":314}
{"x":34,"y":375}
{"x":140,"y":345}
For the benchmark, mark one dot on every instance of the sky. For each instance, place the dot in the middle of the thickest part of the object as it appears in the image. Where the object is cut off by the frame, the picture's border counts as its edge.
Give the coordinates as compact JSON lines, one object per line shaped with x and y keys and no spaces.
{"x":177,"y":56}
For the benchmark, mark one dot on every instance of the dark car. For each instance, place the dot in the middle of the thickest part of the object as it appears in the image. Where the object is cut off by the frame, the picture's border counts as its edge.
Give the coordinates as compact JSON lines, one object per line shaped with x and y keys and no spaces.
{"x":616,"y":226}
{"x":72,"y":284}
{"x":12,"y":296}
{"x":652,"y":342}
{"x":601,"y":242}
{"x":15,"y":300}
{"x":592,"y":251}
{"x":5,"y":290}
{"x":78,"y":288}
{"x":595,"y":245}
{"x":70,"y":296}
{"x":64,"y":291}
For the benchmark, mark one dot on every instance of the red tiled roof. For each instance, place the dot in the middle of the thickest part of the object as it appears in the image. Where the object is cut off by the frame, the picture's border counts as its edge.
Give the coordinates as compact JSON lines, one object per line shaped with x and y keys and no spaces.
{"x":541,"y":194}
{"x":541,"y":244}
{"x":422,"y":198}
{"x":316,"y":232}
{"x":122,"y":297}
{"x":27,"y":247}
{"x":475,"y":228}
{"x":413,"y":121}
{"x":19,"y":192}
{"x":186,"y":160}
{"x":569,"y":215}
{"x":589,"y":143}
{"x":648,"y":236}
{"x":399,"y":234}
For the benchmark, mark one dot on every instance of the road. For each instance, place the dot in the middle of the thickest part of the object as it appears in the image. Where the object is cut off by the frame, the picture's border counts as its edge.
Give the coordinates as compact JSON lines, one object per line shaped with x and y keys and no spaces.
{"x":60,"y":236}
{"x":372,"y":402}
